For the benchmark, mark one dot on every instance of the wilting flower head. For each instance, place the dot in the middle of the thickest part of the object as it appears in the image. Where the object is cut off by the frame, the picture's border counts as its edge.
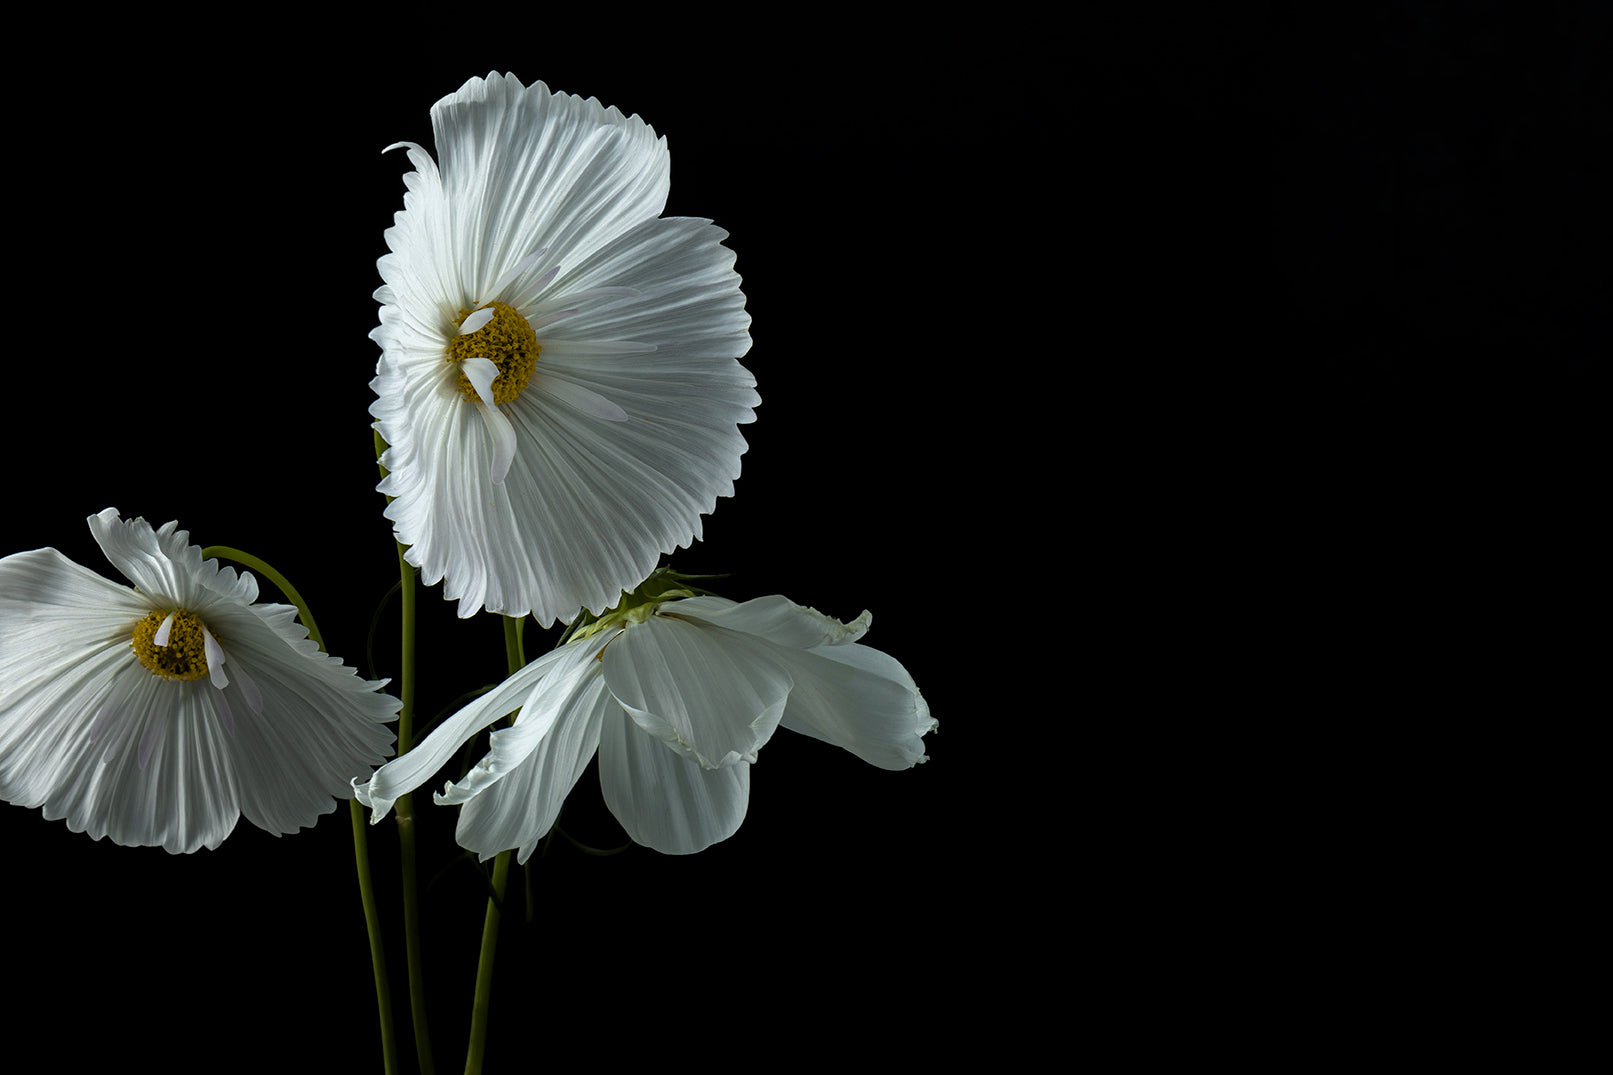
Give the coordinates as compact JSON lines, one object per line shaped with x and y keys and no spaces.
{"x":677,"y":694}
{"x":161,"y":714}
{"x":559,"y":385}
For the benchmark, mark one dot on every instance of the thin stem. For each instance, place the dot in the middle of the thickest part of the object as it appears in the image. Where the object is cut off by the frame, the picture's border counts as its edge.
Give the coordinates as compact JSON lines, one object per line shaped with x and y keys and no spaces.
{"x":404,"y":809}
{"x":406,"y":830}
{"x":246,"y":559}
{"x":515,"y":657}
{"x":482,"y":1003}
{"x":372,"y":921}
{"x":361,"y":850}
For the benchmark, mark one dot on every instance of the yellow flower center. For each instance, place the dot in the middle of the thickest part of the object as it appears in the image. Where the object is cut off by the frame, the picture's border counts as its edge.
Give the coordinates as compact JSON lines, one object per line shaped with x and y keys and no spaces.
{"x":185,"y":655}
{"x":508,"y":342}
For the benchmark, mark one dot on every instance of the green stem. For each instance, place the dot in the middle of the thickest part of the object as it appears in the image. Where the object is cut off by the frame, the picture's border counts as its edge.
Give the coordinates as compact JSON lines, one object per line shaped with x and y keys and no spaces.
{"x":372,"y":921}
{"x":406,"y":830}
{"x":361,"y":851}
{"x":404,"y":808}
{"x":515,"y":657}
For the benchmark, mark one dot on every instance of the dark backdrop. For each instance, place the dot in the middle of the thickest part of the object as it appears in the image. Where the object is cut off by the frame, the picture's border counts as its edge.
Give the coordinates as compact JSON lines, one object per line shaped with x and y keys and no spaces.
{"x":201,"y":250}
{"x":1169,"y":387}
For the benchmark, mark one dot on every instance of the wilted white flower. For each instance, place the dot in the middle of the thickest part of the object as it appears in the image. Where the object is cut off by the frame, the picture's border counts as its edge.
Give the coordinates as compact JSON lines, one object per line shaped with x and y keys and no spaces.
{"x":558,"y":387}
{"x":676,"y":694}
{"x":161,"y":714}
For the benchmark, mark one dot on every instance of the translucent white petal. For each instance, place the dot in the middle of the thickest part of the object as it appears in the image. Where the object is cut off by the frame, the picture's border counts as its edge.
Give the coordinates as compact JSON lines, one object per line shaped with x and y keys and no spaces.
{"x":519,"y":810}
{"x":777,"y":619}
{"x":666,"y":801}
{"x":861,"y":700}
{"x":527,"y":169}
{"x":164,"y":565}
{"x":570,"y":674}
{"x":713,"y":695}
{"x":419,"y":764}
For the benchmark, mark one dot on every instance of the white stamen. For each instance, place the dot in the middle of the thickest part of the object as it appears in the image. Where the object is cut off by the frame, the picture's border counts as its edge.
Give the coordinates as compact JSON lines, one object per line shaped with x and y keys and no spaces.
{"x":480,"y":373}
{"x":161,"y":637}
{"x":475,"y":321}
{"x":584,"y":399}
{"x":215,"y":660}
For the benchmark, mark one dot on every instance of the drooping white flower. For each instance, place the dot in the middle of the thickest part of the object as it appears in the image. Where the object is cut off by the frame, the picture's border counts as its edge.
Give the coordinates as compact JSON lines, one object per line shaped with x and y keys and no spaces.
{"x":677,"y":695}
{"x":162,"y":714}
{"x":559,"y":385}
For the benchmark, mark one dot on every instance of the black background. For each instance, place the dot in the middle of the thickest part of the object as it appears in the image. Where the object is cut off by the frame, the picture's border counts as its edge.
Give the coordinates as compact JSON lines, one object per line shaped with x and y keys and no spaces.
{"x":1173,"y":390}
{"x":201,"y":254}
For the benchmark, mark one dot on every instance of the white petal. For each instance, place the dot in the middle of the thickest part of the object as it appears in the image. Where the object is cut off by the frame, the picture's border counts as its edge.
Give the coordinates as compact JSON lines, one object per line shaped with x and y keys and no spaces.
{"x":519,"y":810}
{"x":408,"y":772}
{"x":583,"y":399}
{"x":526,"y":169}
{"x":566,"y":681}
{"x":664,"y":800}
{"x":713,"y":695}
{"x":861,"y":700}
{"x":777,"y":619}
{"x":163,"y":564}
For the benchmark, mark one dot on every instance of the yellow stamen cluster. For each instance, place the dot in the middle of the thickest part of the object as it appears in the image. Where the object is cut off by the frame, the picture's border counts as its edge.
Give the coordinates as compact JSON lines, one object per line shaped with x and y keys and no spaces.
{"x":185,"y":655}
{"x":508,"y":342}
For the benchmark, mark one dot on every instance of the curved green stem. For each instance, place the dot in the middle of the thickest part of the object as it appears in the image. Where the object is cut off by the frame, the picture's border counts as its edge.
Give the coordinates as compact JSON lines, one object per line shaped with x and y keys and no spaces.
{"x":246,"y":559}
{"x":515,"y":657}
{"x":361,"y":851}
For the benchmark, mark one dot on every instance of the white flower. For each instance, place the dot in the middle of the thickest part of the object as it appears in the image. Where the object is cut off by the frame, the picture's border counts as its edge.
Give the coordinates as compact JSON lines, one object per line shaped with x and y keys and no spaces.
{"x":559,"y":385}
{"x":677,"y":697}
{"x":161,"y":714}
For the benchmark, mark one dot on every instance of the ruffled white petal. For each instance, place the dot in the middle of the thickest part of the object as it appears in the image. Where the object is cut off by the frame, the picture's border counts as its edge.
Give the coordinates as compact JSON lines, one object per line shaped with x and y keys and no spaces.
{"x":518,"y":810}
{"x":712,"y":695}
{"x":627,"y":433}
{"x":861,"y":700}
{"x":419,"y":764}
{"x":777,"y":619}
{"x":91,"y":736}
{"x":664,"y":800}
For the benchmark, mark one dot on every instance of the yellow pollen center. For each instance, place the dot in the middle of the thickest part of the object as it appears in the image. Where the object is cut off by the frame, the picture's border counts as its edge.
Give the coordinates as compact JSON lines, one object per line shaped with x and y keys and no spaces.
{"x":508,"y":342}
{"x":185,"y":655}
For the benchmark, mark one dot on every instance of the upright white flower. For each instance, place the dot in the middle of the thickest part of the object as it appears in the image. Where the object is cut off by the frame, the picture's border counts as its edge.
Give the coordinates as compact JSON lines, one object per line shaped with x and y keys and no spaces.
{"x":161,"y":714}
{"x":677,"y":695}
{"x":559,"y":385}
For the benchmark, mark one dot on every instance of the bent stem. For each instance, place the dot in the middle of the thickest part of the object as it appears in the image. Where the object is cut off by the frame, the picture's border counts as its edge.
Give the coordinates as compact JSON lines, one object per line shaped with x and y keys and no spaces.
{"x":515,"y":657}
{"x":361,"y":850}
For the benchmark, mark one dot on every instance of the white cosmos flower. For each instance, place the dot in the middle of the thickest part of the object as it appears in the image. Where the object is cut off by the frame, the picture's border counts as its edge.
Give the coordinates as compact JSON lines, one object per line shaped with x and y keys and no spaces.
{"x":559,"y":385}
{"x":677,"y":697}
{"x":161,"y":714}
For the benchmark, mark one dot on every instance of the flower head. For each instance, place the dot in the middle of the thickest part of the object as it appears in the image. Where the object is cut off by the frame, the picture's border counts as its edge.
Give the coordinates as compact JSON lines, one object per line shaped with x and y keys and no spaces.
{"x":559,"y":386}
{"x":677,"y":693}
{"x":161,"y":714}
